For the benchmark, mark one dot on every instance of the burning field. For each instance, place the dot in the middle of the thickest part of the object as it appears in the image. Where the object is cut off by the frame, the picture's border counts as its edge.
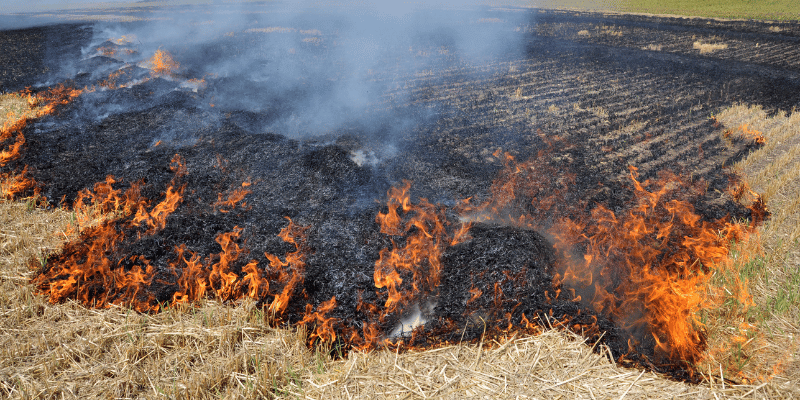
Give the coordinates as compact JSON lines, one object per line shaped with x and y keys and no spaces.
{"x":395,"y":179}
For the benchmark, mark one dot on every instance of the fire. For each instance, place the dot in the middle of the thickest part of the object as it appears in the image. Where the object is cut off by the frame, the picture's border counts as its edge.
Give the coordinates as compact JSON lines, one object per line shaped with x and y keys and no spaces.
{"x":232,"y":198}
{"x":18,"y":184}
{"x":11,"y":128}
{"x":290,"y":273}
{"x":754,"y":135}
{"x":426,"y":236}
{"x":91,"y":269}
{"x":323,"y":327}
{"x":125,"y":39}
{"x":217,"y":274}
{"x":108,"y":199}
{"x":226,"y":283}
{"x":162,"y":63}
{"x":41,"y":104}
{"x":530,"y":194}
{"x":192,"y":279}
{"x":647,"y":269}
{"x":156,"y":217}
{"x":475,"y":292}
{"x":111,"y":81}
{"x":95,"y":206}
{"x":107,"y":51}
{"x":58,"y":96}
{"x":95,"y":270}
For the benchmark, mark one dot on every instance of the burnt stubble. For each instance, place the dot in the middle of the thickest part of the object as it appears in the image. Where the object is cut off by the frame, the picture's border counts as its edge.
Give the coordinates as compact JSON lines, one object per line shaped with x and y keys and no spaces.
{"x":587,"y":106}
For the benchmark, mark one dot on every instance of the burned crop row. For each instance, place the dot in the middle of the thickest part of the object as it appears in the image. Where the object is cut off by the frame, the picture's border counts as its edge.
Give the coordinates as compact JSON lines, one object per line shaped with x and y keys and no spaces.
{"x":444,"y":193}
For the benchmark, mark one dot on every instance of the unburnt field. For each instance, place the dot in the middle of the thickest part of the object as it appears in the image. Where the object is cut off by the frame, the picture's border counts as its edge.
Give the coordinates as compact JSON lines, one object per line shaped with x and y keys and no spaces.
{"x":701,"y":109}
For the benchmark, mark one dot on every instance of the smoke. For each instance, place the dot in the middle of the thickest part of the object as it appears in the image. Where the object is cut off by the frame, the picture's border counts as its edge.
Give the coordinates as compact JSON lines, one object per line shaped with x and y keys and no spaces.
{"x":323,"y":69}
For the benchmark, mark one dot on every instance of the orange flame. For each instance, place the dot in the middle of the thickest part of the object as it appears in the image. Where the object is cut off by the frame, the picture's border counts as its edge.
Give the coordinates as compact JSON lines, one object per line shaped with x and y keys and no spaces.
{"x":89,"y":275}
{"x":111,"y":81}
{"x":162,"y":63}
{"x":747,"y":133}
{"x":91,"y":266}
{"x":107,"y":51}
{"x":647,"y":269}
{"x":13,"y":150}
{"x":57,"y":96}
{"x":323,"y":327}
{"x":426,"y":237}
{"x":289,"y":272}
{"x":225,"y":282}
{"x":193,"y":280}
{"x":232,"y":198}
{"x":157,"y":217}
{"x":12,"y":128}
{"x":198,"y":278}
{"x":475,"y":292}
{"x":96,"y":204}
{"x":18,"y":184}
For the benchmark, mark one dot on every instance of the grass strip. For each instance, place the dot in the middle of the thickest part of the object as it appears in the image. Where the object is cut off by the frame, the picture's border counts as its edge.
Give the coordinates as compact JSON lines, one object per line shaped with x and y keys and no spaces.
{"x":756,"y":337}
{"x":778,"y":10}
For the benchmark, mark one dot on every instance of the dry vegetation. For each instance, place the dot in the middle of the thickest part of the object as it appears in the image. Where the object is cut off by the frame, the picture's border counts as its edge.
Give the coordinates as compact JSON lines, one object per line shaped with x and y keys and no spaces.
{"x":551,"y":365}
{"x":16,"y":104}
{"x":653,"y":47}
{"x":213,"y":350}
{"x":771,"y":264}
{"x":706,"y":48}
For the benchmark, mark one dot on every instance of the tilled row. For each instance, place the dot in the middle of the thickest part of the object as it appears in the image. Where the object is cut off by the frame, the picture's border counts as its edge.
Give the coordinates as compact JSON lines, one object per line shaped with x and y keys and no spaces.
{"x":477,"y":196}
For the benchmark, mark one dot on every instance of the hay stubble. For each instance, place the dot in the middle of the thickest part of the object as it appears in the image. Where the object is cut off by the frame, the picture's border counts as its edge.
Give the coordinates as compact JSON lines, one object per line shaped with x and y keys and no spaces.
{"x":213,"y":350}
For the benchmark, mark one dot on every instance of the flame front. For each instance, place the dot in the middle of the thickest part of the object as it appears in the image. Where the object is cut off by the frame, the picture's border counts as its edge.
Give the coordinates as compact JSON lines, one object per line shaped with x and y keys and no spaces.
{"x":323,"y":326}
{"x":216,"y":275}
{"x":11,"y":136}
{"x":425,"y":235}
{"x":162,"y":63}
{"x":94,"y":270}
{"x":232,"y":198}
{"x":647,"y":269}
{"x":91,"y":269}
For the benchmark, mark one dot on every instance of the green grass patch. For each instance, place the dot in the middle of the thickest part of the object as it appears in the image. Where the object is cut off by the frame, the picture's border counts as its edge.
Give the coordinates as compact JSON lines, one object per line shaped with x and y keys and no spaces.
{"x":788,"y":296}
{"x":781,"y":10}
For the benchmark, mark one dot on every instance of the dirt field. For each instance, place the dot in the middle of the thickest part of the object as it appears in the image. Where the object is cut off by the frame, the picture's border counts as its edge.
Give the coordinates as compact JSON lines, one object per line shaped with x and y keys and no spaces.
{"x":585,"y":94}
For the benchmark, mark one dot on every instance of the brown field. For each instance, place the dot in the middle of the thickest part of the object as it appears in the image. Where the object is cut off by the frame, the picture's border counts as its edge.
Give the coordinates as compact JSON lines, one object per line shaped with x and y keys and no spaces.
{"x":211,"y":350}
{"x":215,"y":350}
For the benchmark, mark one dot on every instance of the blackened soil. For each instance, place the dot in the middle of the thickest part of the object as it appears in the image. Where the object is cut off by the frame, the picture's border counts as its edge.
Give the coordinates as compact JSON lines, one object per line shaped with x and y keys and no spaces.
{"x":39,"y":55}
{"x":499,"y":273}
{"x":589,"y":105}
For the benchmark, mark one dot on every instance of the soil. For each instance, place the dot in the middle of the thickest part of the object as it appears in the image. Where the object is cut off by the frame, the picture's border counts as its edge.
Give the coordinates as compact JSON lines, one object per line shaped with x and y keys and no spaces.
{"x":589,"y":95}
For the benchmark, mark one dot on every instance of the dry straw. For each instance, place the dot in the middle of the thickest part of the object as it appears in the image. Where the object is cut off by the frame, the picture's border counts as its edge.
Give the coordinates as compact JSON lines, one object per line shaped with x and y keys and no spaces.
{"x":773,"y":273}
{"x":551,"y":365}
{"x":706,"y":48}
{"x":228,"y":351}
{"x":214,"y":350}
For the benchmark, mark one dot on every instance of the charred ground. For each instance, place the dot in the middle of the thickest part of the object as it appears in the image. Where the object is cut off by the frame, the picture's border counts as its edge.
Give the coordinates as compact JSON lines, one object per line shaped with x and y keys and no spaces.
{"x":584,"y":105}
